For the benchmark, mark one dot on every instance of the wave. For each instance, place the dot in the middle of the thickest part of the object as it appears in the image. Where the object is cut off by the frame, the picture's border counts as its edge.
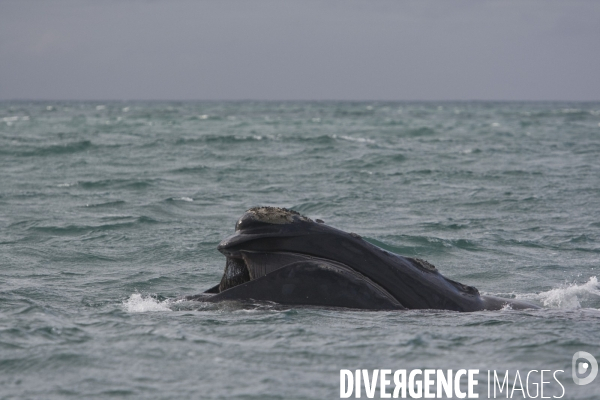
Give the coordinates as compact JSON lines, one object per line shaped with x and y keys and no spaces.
{"x":353,"y":139}
{"x":221,"y":139}
{"x":136,"y":303}
{"x":117,"y":183}
{"x":109,"y":204}
{"x":57,"y":149}
{"x":76,"y":230}
{"x":573,"y":295}
{"x":570,"y":297}
{"x":417,"y":132}
{"x":190,"y":170}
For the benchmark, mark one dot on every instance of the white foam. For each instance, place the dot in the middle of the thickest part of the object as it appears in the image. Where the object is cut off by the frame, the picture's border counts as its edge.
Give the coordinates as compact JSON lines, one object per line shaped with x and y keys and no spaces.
{"x":353,"y":139}
{"x":137,"y":303}
{"x":571,"y":296}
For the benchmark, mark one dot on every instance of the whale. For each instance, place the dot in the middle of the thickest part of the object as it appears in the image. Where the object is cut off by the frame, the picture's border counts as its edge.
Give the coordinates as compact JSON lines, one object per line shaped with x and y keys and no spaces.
{"x":281,"y":256}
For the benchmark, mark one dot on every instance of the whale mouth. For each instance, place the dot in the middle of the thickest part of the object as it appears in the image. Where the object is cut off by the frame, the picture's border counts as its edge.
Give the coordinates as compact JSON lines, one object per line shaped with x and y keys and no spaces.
{"x":255,"y":249}
{"x":236,"y":273}
{"x":244,"y":265}
{"x":295,"y":278}
{"x":247,"y":266}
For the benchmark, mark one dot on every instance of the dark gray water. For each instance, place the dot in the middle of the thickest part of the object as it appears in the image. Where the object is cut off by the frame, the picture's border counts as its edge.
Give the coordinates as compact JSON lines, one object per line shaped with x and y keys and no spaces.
{"x":111,"y":211}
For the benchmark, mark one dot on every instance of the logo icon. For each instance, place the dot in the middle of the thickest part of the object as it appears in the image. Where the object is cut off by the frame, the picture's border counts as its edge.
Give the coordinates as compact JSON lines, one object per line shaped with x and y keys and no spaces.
{"x":582,"y":367}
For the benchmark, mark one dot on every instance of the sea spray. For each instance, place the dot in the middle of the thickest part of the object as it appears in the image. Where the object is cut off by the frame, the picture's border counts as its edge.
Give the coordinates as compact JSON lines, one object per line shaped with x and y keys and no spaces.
{"x":136,"y":303}
{"x":571,"y":296}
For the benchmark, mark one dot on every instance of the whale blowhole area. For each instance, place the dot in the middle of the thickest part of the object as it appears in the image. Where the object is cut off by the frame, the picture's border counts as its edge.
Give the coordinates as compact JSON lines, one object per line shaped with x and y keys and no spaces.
{"x":276,"y":215}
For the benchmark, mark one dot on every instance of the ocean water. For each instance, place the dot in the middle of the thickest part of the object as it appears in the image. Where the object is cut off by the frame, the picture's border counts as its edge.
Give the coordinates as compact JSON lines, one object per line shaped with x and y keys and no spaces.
{"x":110,"y":211}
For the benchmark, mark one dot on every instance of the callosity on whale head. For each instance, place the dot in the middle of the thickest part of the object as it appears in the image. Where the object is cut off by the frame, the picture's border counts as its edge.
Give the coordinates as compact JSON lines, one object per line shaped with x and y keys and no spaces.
{"x":281,"y":256}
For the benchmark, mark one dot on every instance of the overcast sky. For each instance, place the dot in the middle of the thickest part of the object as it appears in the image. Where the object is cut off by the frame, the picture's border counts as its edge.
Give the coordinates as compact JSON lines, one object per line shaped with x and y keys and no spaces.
{"x":300,"y":50}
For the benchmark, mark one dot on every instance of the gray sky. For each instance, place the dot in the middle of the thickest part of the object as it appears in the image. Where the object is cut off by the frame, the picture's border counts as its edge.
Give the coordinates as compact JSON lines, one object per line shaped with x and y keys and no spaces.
{"x":300,"y":50}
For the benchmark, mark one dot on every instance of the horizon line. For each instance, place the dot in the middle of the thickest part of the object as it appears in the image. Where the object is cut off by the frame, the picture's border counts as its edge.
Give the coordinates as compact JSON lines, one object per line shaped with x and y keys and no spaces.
{"x":304,"y":100}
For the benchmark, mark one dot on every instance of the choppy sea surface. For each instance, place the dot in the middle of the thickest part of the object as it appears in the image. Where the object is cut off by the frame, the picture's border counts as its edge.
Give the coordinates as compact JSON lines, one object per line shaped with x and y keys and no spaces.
{"x":110,"y":211}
